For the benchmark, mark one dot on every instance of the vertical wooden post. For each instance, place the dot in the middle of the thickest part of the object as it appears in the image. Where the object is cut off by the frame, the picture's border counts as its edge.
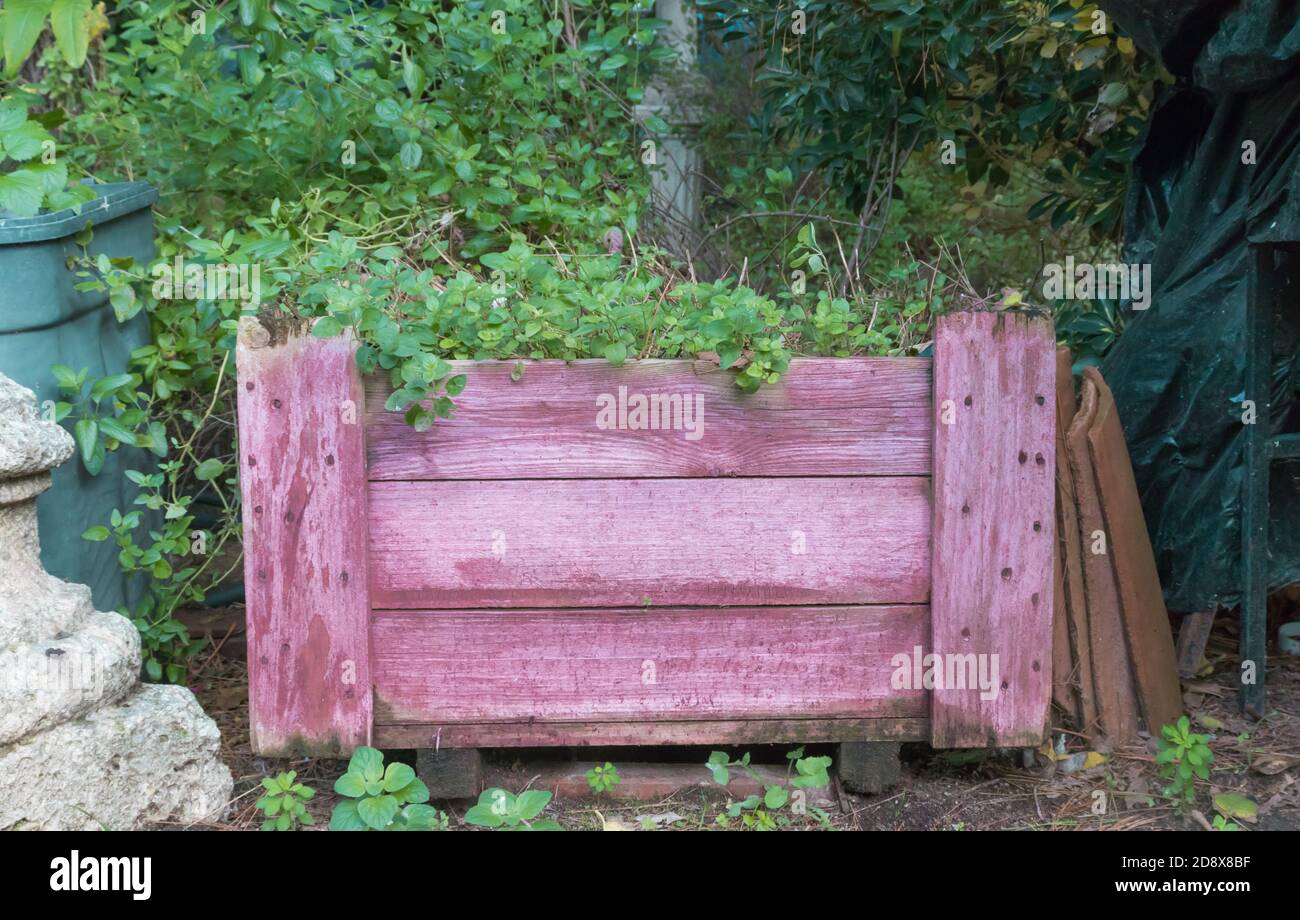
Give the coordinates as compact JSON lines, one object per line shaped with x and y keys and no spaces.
{"x":302,"y":466}
{"x":994,"y":521}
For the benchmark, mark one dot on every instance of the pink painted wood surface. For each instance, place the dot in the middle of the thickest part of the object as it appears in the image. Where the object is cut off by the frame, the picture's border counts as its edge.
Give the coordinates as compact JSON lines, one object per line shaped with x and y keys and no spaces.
{"x":661,"y":664}
{"x":302,"y":472}
{"x":582,"y":734}
{"x":994,"y":485}
{"x":619,"y":542}
{"x":844,"y":417}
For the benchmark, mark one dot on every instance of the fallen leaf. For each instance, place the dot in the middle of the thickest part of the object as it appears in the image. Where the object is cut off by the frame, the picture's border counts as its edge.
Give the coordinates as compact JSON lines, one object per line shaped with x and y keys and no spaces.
{"x":612,"y":824}
{"x":668,"y":817}
{"x":1235,"y":805}
{"x":1272,"y":764}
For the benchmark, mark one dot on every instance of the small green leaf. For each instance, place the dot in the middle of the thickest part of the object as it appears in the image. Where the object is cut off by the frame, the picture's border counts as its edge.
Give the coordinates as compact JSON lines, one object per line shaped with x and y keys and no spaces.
{"x":209,"y":470}
{"x":377,"y":811}
{"x":326,"y":327}
{"x":616,"y":353}
{"x":397,"y":776}
{"x":345,"y":817}
{"x":530,"y":803}
{"x":350,"y":784}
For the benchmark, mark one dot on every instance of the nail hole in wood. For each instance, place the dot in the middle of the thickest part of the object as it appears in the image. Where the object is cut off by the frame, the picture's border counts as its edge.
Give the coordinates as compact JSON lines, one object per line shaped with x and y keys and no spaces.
{"x":1006,"y":573}
{"x":1023,"y":456}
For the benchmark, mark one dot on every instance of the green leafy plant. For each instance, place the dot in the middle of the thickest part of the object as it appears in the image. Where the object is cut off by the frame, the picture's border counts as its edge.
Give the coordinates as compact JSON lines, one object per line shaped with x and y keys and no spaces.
{"x":285,"y":802}
{"x":382,"y":799}
{"x":32,"y":177}
{"x":1183,"y":757}
{"x":75,"y":24}
{"x":601,"y":779}
{"x":501,"y":810}
{"x":775,"y":807}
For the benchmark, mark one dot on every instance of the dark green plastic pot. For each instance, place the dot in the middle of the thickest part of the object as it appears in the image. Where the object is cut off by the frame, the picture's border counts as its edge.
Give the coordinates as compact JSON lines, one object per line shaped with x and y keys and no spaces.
{"x":45,"y":320}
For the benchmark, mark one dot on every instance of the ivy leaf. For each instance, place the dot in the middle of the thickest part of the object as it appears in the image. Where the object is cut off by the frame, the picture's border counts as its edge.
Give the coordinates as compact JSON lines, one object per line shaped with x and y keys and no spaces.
{"x":96,"y":534}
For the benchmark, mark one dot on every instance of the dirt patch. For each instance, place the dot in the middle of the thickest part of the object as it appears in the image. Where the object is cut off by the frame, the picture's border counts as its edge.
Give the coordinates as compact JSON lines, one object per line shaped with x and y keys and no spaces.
{"x":947,"y":791}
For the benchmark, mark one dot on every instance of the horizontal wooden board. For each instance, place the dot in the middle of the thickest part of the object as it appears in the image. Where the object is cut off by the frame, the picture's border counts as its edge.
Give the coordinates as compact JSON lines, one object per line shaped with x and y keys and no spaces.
{"x":660,"y":542}
{"x":586,"y":734}
{"x":851,"y":417}
{"x":654,"y":665}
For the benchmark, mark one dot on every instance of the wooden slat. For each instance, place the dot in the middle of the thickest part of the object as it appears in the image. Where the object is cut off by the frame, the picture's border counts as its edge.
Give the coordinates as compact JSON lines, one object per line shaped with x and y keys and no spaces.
{"x":994,"y":485}
{"x":619,"y":542}
{"x":840,"y":417}
{"x":302,"y":472}
{"x":653,"y":665}
{"x":1111,"y":674}
{"x":1142,"y":602}
{"x":567,"y":734}
{"x":1072,"y":603}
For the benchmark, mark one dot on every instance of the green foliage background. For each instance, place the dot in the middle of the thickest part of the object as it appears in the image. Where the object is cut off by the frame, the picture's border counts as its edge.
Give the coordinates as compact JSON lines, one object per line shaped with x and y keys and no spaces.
{"x":444,"y":177}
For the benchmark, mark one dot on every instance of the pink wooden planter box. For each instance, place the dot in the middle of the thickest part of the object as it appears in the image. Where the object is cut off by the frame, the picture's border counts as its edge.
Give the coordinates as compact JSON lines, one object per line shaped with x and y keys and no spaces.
{"x":539,"y":572}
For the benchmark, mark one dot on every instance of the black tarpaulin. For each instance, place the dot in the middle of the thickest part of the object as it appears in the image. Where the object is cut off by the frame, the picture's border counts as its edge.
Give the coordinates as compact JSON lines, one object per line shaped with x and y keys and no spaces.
{"x":1194,"y":203}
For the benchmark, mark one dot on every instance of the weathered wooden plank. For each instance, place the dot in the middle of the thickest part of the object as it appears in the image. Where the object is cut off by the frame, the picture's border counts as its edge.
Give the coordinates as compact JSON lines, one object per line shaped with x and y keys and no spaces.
{"x":1111,"y":674}
{"x":654,"y":665}
{"x":586,"y":734}
{"x":1193,"y":636}
{"x":302,"y":472}
{"x":994,"y":490}
{"x":827,"y":416}
{"x":1072,"y":603}
{"x":1142,"y":602}
{"x":621,"y":543}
